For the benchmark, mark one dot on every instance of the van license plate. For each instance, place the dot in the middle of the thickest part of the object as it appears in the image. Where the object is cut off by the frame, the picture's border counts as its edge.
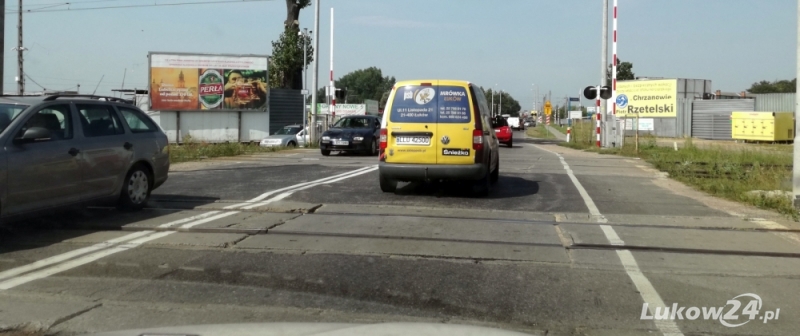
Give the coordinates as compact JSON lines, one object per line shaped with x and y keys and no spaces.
{"x":413,"y":140}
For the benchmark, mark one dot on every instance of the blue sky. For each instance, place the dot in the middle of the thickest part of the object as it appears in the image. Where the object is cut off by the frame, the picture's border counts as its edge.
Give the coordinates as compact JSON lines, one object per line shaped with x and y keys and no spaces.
{"x":511,"y":43}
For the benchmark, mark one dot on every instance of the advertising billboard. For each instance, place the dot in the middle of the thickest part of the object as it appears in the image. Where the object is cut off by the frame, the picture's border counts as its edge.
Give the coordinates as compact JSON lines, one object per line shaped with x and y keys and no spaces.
{"x":195,"y":82}
{"x":647,"y":98}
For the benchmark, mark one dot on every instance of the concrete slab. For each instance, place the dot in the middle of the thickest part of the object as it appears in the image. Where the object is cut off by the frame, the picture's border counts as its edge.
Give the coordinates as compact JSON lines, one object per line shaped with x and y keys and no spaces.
{"x":405,"y":247}
{"x":250,"y":220}
{"x":288,"y":206}
{"x":421,"y":227}
{"x":192,"y":239}
{"x":683,"y":221}
{"x":433,"y":211}
{"x":668,"y":238}
{"x":39,"y":312}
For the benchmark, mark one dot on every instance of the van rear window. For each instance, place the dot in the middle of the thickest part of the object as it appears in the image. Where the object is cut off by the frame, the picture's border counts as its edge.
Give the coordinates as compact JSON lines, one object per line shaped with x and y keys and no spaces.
{"x":430,"y":104}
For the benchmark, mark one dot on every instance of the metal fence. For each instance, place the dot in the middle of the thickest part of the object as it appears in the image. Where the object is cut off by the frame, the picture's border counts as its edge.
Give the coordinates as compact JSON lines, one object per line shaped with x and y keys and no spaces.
{"x":711,"y":119}
{"x":285,"y":108}
{"x":775,"y":102}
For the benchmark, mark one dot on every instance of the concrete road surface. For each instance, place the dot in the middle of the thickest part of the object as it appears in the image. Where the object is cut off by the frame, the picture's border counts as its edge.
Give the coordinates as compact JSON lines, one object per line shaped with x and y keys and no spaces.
{"x":567,"y":243}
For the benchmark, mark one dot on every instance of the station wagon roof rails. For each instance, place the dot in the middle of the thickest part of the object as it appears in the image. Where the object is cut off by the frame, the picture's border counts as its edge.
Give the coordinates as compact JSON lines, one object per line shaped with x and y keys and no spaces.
{"x":113,"y":99}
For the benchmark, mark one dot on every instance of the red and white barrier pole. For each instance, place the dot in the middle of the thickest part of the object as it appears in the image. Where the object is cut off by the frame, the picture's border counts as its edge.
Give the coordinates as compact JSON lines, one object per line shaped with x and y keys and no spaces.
{"x":614,"y":66}
{"x":569,"y":132}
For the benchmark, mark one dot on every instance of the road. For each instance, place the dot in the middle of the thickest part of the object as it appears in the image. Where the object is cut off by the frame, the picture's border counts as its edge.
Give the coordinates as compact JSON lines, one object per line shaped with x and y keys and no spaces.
{"x":567,"y":243}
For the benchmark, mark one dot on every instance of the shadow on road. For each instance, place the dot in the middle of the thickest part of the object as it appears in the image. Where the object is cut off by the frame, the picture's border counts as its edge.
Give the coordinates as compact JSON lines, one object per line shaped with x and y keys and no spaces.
{"x":506,"y":187}
{"x":52,"y":227}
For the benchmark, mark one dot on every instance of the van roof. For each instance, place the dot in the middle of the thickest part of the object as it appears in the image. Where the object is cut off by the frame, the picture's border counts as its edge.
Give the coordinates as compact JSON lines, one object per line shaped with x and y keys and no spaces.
{"x":441,"y":82}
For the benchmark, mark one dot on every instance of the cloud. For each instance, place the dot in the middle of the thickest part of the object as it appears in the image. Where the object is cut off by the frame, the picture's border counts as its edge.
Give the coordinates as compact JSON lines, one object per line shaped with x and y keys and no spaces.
{"x":387,"y":22}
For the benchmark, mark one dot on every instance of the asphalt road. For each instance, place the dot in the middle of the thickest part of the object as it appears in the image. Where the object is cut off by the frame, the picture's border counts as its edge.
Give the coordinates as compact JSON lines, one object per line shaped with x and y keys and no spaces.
{"x":567,"y":243}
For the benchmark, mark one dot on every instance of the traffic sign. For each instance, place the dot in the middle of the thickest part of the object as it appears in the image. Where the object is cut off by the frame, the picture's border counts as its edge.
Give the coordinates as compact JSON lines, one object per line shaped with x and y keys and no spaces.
{"x":548,"y":109}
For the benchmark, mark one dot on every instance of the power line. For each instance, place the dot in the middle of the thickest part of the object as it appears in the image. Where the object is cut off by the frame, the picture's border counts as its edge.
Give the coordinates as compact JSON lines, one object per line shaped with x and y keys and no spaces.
{"x":31,"y":11}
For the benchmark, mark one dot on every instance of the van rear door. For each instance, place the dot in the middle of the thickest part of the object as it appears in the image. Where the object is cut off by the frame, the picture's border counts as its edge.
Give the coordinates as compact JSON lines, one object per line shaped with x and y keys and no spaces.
{"x":455,"y":124}
{"x":411,"y":126}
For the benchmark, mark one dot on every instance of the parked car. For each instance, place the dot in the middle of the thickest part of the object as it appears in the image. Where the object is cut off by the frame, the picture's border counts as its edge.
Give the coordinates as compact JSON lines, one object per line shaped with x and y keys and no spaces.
{"x":503,"y":132}
{"x":352,"y":134}
{"x":285,"y":137}
{"x":438,"y":130}
{"x":66,"y":150}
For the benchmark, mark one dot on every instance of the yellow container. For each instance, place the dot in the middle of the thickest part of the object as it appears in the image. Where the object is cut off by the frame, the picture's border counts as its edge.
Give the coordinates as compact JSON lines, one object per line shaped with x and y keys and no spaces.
{"x":762,"y":126}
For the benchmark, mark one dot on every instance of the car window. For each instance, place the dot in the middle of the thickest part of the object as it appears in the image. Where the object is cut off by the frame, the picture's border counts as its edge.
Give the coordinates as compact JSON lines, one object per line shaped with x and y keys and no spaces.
{"x":288,"y":131}
{"x":99,"y":120}
{"x":499,"y":122}
{"x":137,"y":122}
{"x":55,"y":118}
{"x":352,"y":123}
{"x":9,"y":112}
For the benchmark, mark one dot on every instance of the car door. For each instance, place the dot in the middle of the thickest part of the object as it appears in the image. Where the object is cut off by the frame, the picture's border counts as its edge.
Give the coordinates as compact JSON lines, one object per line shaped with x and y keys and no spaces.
{"x":106,"y":150}
{"x":411,"y":125}
{"x":149,"y":142}
{"x":456,"y":124}
{"x":45,"y":172}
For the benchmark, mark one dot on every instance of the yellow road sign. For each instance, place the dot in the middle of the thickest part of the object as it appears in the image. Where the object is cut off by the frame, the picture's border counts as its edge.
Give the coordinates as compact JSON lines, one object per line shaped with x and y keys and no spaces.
{"x":548,"y":109}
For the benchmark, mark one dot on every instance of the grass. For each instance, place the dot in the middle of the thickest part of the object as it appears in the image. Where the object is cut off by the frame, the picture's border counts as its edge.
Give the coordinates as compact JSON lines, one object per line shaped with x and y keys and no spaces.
{"x":194,"y":151}
{"x":728,"y":172}
{"x":539,"y":132}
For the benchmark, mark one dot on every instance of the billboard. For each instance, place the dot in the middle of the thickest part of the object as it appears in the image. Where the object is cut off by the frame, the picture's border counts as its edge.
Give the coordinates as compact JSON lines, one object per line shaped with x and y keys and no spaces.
{"x":647,"y":98}
{"x":196,"y":82}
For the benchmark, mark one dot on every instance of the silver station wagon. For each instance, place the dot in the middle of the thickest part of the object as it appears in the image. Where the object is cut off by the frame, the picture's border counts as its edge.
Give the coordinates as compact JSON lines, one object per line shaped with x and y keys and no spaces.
{"x":66,"y":150}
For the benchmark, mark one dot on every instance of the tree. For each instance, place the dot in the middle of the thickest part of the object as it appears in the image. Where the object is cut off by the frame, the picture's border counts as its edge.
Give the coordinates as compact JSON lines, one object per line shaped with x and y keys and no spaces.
{"x":286,"y":64}
{"x":509,"y":104}
{"x":365,"y":84}
{"x":624,"y":71}
{"x":778,"y":86}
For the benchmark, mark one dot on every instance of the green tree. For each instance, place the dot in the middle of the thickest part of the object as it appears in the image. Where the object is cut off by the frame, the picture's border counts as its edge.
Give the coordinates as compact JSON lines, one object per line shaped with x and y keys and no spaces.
{"x":778,"y":86}
{"x":286,"y":64}
{"x":624,"y":71}
{"x":509,"y":105}
{"x":365,"y":84}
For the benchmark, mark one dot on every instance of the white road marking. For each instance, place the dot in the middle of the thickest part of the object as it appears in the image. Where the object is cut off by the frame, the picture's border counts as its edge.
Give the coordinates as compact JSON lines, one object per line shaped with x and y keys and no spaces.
{"x":643,"y":285}
{"x":69,"y":260}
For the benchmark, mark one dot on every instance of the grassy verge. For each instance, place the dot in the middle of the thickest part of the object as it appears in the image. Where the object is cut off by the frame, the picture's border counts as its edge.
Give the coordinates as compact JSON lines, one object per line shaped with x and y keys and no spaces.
{"x":193,"y":151}
{"x":539,"y":132}
{"x":720,"y":171}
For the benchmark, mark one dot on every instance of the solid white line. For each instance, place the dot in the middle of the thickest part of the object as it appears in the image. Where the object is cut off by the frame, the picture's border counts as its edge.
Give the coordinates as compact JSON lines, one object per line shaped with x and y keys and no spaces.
{"x":287,"y":193}
{"x":90,"y":254}
{"x":267,"y":194}
{"x":11,"y":283}
{"x":69,"y":255}
{"x":643,"y":285}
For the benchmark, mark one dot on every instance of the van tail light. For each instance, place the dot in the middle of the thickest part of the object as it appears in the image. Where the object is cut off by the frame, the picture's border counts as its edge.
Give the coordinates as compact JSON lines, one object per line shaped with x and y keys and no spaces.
{"x":477,"y":139}
{"x":384,"y":138}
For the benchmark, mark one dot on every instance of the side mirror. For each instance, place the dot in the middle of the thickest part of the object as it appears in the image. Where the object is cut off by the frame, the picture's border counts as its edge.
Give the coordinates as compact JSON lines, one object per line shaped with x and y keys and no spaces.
{"x":33,"y":134}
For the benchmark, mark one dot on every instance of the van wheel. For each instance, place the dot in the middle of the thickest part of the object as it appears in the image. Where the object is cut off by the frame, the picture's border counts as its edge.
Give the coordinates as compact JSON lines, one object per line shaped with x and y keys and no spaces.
{"x":387,"y":185}
{"x":136,"y":189}
{"x":481,"y":187}
{"x":495,"y":174}
{"x":325,"y":152}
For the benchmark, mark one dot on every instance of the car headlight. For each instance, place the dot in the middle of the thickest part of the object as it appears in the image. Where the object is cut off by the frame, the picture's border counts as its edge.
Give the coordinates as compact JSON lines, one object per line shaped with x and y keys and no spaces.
{"x":326,"y":138}
{"x":358,"y":138}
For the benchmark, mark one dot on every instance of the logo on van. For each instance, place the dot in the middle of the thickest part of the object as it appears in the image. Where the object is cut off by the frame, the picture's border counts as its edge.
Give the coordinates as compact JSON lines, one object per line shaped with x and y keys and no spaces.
{"x":424,"y":96}
{"x":445,"y":139}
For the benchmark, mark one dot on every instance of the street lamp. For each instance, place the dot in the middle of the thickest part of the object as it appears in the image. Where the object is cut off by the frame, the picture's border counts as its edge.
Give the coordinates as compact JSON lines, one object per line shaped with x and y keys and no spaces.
{"x":536,"y":98}
{"x":493,"y":92}
{"x":305,"y":34}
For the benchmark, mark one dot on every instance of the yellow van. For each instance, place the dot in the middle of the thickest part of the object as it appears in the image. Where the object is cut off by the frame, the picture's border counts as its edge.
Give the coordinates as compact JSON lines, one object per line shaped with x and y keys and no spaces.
{"x":438,"y":130}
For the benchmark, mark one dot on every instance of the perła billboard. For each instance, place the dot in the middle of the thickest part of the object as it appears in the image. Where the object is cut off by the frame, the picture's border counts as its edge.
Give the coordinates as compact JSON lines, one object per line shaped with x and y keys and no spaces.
{"x":195,"y":82}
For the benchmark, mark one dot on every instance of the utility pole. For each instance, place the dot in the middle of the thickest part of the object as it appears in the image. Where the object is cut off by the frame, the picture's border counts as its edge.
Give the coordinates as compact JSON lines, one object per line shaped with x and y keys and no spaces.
{"x":333,"y":85}
{"x":304,"y":34}
{"x":20,"y":49}
{"x":315,"y":80}
{"x":603,"y":72}
{"x":796,"y":156}
{"x":2,"y":42}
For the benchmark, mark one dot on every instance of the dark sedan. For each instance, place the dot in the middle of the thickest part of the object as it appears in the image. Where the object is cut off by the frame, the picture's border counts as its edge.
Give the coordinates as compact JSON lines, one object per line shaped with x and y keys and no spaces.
{"x":352,"y":134}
